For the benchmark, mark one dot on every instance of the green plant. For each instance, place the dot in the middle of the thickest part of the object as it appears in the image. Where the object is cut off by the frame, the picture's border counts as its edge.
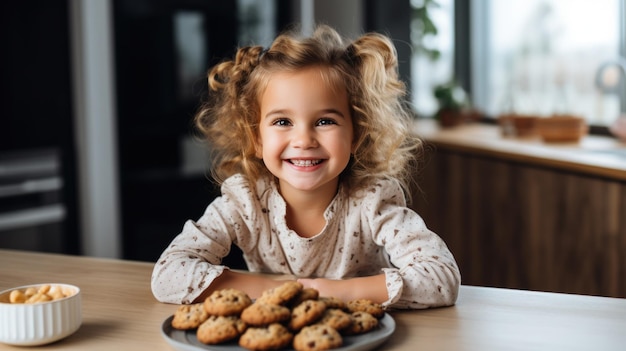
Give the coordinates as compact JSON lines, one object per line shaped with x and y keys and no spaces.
{"x":423,"y":27}
{"x":454,"y":105}
{"x":451,"y":96}
{"x":453,"y":102}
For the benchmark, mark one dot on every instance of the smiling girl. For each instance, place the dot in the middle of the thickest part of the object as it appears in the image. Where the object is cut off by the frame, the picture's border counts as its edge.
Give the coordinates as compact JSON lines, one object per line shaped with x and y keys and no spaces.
{"x":312,"y":148}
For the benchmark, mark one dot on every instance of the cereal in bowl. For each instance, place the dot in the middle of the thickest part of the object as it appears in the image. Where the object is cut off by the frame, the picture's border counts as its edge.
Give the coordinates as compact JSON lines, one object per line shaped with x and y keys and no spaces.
{"x":40,"y":294}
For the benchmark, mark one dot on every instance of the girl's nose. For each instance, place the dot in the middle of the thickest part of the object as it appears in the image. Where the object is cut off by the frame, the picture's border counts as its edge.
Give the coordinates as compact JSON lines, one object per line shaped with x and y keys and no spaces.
{"x":304,"y":138}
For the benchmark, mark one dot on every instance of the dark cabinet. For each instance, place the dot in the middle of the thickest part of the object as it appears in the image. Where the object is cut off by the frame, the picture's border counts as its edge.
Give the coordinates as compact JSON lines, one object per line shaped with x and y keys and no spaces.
{"x":38,"y":202}
{"x":519,"y":225}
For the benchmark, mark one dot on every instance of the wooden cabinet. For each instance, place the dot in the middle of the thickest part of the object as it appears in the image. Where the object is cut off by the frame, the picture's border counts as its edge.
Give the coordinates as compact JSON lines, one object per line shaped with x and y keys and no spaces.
{"x":521,"y":225}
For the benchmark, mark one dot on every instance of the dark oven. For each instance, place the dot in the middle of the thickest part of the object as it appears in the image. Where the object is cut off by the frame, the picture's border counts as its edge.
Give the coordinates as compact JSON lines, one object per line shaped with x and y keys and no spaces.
{"x":32,"y":212}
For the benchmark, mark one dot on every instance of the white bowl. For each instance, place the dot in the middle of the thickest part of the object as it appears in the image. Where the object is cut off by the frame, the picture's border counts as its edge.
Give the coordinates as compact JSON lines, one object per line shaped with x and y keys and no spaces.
{"x":39,"y":323}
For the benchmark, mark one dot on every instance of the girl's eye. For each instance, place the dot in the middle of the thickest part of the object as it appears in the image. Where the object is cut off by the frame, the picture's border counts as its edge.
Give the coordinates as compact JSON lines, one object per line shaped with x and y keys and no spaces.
{"x":281,"y":122}
{"x":326,"y":122}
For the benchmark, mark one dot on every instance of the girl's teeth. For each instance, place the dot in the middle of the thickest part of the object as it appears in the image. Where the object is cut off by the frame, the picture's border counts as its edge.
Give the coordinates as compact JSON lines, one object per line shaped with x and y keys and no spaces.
{"x":305,"y":163}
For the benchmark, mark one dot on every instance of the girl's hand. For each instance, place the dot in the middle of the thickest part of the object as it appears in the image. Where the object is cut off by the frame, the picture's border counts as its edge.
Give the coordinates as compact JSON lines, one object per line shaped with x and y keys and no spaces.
{"x":327,"y":287}
{"x":371,"y":288}
{"x":253,"y":285}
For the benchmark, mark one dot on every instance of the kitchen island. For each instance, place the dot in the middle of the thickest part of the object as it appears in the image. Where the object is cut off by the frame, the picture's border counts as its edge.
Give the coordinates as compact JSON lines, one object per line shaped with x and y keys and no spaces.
{"x":521,"y":213}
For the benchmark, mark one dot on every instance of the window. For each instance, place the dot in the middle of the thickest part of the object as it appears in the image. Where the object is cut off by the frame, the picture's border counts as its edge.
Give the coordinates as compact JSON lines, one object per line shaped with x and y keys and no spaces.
{"x":542,"y":57}
{"x":427,"y":71}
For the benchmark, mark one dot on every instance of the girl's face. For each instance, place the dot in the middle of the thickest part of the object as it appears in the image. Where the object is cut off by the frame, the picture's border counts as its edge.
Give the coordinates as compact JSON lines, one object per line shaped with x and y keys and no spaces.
{"x":305,"y":133}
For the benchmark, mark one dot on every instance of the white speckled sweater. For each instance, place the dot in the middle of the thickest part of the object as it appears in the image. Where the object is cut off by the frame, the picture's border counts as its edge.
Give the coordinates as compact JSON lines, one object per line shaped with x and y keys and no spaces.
{"x":364,"y":235}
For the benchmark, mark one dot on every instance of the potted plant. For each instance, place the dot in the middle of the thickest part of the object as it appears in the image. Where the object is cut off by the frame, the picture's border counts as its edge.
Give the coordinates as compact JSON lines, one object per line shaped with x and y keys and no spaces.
{"x":453,"y":102}
{"x":454,"y":106}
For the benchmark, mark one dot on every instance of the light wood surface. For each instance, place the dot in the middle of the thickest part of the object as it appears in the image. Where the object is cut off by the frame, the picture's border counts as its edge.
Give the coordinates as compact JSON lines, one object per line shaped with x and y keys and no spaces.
{"x":120,"y":313}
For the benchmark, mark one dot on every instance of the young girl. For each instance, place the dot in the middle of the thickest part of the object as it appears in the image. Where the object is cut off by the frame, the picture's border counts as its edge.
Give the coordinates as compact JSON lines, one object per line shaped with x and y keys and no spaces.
{"x":312,"y":147}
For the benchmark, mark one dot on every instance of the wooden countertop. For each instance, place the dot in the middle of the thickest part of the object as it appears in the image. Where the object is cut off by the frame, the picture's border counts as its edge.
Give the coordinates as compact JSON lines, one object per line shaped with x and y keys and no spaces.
{"x":120,"y":313}
{"x":593,"y":155}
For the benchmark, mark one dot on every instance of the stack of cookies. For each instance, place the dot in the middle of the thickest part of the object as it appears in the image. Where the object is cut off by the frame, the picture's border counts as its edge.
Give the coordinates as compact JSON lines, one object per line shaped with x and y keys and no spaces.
{"x":286,"y":316}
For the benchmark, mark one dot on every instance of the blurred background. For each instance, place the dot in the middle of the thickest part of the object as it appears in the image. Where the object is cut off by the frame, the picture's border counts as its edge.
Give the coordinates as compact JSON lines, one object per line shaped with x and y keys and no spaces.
{"x":96,"y":154}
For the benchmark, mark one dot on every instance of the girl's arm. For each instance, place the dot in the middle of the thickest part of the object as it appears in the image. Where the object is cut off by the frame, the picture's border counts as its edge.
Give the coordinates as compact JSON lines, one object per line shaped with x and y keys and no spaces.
{"x":189,"y":265}
{"x":424,"y":272}
{"x":372,"y":288}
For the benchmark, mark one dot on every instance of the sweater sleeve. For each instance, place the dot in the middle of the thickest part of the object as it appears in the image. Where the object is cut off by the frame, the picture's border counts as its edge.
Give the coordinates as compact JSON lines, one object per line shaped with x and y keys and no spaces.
{"x":425,"y":273}
{"x":193,"y":259}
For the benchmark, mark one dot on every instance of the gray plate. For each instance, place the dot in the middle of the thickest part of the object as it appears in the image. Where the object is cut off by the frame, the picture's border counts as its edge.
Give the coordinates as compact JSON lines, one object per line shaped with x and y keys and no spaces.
{"x":185,"y":340}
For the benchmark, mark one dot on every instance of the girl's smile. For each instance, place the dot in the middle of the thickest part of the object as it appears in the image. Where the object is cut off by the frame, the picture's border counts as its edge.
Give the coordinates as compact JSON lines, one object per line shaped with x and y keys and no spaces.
{"x":305,"y":163}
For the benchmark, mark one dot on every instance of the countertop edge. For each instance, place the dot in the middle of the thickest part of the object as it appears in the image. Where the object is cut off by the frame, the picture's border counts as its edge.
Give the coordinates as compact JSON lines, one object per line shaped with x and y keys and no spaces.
{"x":586,"y":157}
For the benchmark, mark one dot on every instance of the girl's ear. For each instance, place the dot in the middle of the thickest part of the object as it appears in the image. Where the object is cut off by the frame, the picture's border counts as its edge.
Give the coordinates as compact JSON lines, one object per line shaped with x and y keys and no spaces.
{"x":353,"y":147}
{"x":355,"y":135}
{"x":259,"y":148}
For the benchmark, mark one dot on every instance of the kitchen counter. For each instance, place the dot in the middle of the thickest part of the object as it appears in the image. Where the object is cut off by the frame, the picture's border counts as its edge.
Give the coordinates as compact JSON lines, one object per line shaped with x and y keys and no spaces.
{"x":593,"y":155}
{"x":120,"y":313}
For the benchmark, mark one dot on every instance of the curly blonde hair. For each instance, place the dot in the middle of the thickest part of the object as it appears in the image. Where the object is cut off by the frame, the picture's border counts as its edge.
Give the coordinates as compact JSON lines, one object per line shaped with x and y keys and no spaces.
{"x":384,"y":146}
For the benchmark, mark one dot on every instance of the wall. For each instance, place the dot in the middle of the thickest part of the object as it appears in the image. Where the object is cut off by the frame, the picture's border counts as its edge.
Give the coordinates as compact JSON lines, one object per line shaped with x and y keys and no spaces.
{"x":345,"y":16}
